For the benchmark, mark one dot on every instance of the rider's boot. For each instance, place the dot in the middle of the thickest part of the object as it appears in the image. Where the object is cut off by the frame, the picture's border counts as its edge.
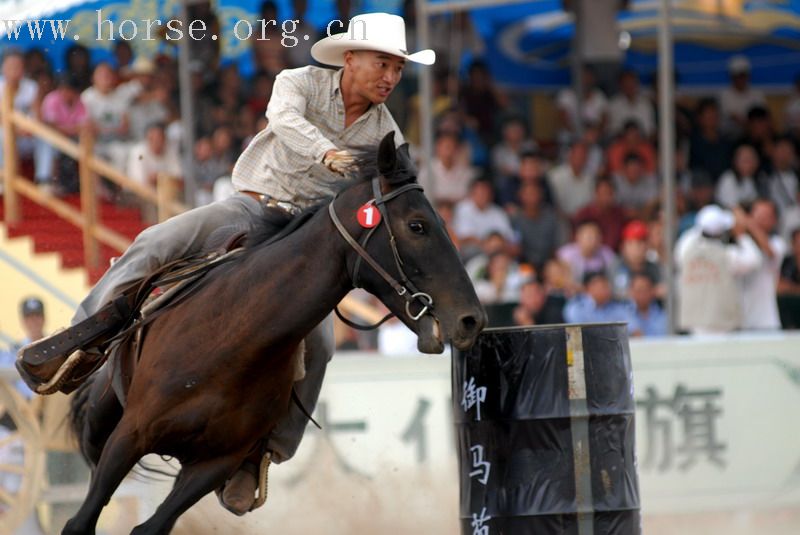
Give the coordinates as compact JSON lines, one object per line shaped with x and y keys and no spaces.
{"x":61,"y":361}
{"x":239,"y":493}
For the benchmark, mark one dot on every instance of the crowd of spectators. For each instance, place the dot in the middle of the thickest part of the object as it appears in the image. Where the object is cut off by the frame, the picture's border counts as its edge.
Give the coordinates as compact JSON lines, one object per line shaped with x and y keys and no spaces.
{"x":566,"y":229}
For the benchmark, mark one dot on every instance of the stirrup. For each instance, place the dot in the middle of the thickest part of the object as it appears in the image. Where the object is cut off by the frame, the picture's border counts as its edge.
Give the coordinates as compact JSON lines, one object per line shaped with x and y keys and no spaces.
{"x":263,"y":475}
{"x":60,"y":377}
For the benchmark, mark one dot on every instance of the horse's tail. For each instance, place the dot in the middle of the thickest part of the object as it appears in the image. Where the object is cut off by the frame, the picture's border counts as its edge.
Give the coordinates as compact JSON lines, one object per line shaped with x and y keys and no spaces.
{"x":78,"y":412}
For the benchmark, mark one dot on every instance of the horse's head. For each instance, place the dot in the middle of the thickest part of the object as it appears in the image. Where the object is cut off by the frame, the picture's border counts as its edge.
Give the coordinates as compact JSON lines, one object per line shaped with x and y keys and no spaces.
{"x":408,"y":260}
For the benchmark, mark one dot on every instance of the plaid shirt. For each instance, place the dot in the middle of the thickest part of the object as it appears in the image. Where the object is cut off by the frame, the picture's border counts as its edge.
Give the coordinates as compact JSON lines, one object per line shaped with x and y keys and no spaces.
{"x":305,"y":120}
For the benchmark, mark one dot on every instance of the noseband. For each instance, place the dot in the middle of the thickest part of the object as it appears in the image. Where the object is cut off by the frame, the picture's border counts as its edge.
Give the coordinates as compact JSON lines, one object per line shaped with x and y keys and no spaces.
{"x":404,"y":287}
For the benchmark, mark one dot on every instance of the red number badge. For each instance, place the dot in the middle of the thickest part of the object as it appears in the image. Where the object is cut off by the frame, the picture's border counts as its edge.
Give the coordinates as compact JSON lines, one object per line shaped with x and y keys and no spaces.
{"x":369,"y":216}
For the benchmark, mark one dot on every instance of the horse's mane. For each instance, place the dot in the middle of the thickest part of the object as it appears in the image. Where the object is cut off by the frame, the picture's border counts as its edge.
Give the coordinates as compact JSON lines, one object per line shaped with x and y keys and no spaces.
{"x":276,"y":224}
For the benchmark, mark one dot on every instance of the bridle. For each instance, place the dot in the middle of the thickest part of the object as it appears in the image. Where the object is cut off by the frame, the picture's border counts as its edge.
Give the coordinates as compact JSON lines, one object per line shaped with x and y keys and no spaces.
{"x":404,"y":287}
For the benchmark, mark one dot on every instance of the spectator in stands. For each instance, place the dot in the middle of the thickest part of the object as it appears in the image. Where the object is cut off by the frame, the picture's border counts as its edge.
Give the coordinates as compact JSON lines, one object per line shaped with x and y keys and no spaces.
{"x":150,"y":97}
{"x":557,"y":279}
{"x":153,"y":156}
{"x":631,"y":104}
{"x":79,"y":66}
{"x":596,"y":303}
{"x":594,"y":108}
{"x":32,"y":318}
{"x":482,"y":102}
{"x":536,"y":306}
{"x":632,"y":260}
{"x":759,"y":134}
{"x":571,"y":184}
{"x":269,"y":54}
{"x":709,"y":149}
{"x":738,"y":98}
{"x":451,"y":172}
{"x":260,"y":93}
{"x":537,"y":225}
{"x":649,"y":319}
{"x":532,"y":170}
{"x":507,"y":154}
{"x":740,"y":185}
{"x":606,"y":211}
{"x":701,"y":193}
{"x":25,"y":93}
{"x":596,"y":164}
{"x":300,"y":54}
{"x":587,"y":253}
{"x":784,"y":184}
{"x":789,"y":283}
{"x":36,"y":64}
{"x":501,"y":280}
{"x":477,"y":216}
{"x":636,"y":190}
{"x":631,"y":141}
{"x":123,"y":58}
{"x":207,"y":169}
{"x":711,"y":269}
{"x":791,"y":110}
{"x":63,"y":110}
{"x":107,"y":108}
{"x":759,"y":299}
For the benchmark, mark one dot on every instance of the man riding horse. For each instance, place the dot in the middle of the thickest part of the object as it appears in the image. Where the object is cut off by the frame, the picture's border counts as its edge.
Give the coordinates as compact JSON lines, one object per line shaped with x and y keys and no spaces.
{"x":316,"y":117}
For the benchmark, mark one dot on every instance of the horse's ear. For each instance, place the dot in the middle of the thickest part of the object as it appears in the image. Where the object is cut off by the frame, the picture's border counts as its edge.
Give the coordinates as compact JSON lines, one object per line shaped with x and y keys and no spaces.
{"x":387,"y":154}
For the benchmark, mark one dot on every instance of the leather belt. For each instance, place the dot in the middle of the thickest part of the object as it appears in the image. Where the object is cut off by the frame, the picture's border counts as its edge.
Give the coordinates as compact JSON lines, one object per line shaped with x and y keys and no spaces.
{"x":266,"y":200}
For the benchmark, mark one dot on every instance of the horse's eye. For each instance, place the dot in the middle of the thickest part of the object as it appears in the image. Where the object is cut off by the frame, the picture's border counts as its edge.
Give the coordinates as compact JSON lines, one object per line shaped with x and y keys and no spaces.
{"x":417,"y":227}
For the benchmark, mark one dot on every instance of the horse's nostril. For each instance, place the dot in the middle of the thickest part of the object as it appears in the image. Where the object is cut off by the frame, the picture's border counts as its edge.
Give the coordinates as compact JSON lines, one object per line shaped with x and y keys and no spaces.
{"x":469,"y":323}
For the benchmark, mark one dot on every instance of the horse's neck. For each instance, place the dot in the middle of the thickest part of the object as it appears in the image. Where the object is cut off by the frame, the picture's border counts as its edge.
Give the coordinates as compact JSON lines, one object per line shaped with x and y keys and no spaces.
{"x":302,"y":277}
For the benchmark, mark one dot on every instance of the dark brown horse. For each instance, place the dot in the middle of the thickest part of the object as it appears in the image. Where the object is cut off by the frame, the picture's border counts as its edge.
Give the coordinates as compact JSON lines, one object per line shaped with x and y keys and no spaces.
{"x":216,"y":370}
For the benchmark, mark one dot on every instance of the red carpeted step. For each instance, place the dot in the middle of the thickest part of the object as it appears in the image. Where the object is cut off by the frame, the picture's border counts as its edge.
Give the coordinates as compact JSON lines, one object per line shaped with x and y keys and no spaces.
{"x":51,"y":233}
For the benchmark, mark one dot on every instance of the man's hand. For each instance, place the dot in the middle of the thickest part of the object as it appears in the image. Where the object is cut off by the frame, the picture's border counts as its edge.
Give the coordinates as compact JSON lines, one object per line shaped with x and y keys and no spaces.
{"x":339,"y":161}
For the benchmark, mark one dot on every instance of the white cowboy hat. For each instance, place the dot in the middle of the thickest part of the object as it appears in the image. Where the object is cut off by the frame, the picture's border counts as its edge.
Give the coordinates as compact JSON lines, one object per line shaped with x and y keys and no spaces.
{"x":381,"y":32}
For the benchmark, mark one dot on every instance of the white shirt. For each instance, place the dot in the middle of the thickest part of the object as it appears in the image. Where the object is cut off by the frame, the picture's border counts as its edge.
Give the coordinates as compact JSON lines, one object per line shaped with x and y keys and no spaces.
{"x":738,"y":103}
{"x":621,"y":110}
{"x":107,"y":110}
{"x":593,"y":109}
{"x":759,"y":299}
{"x":25,"y":96}
{"x":571,"y":192}
{"x":448,"y":184}
{"x":731,"y":192}
{"x":143,"y":162}
{"x":471,"y":222}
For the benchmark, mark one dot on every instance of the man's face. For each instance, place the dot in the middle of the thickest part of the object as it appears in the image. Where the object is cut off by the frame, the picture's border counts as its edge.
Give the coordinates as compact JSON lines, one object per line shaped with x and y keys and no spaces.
{"x":13,"y":68}
{"x":156,"y":140}
{"x":763,"y":213}
{"x":104,"y":78}
{"x":375,"y":74}
{"x":482,"y":195}
{"x":642,"y":292}
{"x":599,"y":290}
{"x":33,"y":324}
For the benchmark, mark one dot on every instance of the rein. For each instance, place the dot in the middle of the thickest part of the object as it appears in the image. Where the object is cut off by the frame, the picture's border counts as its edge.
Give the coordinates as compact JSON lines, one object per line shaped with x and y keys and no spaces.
{"x":404,"y":287}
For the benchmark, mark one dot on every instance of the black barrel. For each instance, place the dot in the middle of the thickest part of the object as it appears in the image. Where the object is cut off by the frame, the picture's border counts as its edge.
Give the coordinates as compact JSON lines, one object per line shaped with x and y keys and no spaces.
{"x":545,"y":425}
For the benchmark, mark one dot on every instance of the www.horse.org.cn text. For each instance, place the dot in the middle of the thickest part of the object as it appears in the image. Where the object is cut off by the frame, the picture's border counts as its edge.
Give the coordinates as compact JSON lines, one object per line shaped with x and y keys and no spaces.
{"x":170,"y":30}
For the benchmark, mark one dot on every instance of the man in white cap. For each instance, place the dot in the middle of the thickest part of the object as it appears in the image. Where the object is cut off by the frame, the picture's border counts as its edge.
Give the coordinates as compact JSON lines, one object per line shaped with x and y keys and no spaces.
{"x":738,"y":98}
{"x":711,"y":269}
{"x":316,"y":117}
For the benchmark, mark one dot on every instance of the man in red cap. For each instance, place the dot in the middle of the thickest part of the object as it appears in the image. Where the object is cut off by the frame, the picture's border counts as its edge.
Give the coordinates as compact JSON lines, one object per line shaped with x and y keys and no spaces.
{"x":633,"y":259}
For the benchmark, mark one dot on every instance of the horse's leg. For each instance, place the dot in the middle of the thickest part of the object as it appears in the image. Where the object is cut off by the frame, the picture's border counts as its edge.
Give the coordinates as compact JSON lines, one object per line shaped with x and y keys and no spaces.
{"x":118,"y":457}
{"x":194,"y":481}
{"x":105,"y":412}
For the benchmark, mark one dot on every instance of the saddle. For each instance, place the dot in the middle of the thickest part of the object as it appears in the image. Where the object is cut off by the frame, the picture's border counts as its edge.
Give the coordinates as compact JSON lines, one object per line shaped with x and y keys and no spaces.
{"x":174,"y":285}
